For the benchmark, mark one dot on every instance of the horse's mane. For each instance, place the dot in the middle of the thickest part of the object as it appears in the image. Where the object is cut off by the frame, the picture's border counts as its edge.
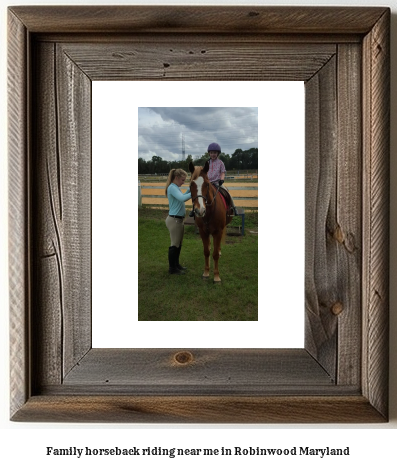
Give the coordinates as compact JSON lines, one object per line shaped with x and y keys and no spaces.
{"x":196,"y":173}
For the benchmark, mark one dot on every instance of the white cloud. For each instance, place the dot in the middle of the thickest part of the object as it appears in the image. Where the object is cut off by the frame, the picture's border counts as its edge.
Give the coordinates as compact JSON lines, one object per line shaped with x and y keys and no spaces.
{"x":162,"y":130}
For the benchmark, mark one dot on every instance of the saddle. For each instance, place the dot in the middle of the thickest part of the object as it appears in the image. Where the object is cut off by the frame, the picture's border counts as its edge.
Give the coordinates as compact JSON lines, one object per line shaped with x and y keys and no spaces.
{"x":225,"y":197}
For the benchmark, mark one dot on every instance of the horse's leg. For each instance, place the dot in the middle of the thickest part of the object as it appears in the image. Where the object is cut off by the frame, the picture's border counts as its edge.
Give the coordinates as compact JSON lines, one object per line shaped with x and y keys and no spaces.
{"x":215,"y":254}
{"x":207,"y":249}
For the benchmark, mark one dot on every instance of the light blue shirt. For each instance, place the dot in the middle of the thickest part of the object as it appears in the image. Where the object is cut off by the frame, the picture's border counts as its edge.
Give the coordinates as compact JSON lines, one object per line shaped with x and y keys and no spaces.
{"x":177,"y":200}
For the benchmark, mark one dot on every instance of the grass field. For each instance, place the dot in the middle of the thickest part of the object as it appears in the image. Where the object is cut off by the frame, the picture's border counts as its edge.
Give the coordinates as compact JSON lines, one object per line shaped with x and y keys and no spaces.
{"x":188,"y":297}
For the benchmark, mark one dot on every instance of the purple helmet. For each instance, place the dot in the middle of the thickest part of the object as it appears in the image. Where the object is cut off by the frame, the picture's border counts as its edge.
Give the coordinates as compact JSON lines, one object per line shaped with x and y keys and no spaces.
{"x":214,"y":146}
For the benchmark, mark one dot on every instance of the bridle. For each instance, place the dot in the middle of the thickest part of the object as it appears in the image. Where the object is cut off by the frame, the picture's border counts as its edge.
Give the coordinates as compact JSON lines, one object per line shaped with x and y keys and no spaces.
{"x":205,"y":197}
{"x":206,"y":218}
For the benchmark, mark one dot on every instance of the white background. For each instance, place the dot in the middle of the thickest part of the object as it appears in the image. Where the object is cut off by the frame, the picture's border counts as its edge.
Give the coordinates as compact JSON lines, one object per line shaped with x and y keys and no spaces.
{"x":23,"y":445}
{"x":281,"y":213}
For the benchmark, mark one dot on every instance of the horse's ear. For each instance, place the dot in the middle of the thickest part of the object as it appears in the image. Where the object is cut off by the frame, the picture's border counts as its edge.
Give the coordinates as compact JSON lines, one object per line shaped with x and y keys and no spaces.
{"x":191,"y":167}
{"x":206,"y":167}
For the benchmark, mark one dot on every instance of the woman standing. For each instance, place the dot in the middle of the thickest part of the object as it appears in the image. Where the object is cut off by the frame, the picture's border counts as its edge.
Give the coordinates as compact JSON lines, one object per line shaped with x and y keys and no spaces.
{"x":176,"y":215}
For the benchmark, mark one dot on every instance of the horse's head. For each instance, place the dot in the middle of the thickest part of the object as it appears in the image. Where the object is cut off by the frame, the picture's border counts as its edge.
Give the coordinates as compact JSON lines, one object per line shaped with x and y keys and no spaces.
{"x":199,"y":188}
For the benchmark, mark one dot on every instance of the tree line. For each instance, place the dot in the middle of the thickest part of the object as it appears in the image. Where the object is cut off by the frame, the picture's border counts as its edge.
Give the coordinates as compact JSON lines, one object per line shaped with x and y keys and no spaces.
{"x":239,"y":160}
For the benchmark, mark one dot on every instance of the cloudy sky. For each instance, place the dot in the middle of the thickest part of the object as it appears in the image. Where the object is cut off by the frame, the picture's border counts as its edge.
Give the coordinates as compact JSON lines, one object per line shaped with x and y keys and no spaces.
{"x":162,"y":130}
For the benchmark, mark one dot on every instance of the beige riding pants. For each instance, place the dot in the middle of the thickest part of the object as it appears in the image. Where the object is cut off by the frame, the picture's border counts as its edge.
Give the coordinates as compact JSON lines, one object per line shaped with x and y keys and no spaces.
{"x":176,"y":228}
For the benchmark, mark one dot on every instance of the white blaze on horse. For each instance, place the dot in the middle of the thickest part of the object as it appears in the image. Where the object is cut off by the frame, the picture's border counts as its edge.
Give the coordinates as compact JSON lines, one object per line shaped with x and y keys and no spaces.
{"x":212,"y":216}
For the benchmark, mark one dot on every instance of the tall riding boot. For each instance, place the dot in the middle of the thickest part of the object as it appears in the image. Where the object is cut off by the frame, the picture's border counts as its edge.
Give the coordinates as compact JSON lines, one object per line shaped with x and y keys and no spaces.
{"x":178,"y":265}
{"x":233,"y":206}
{"x":172,"y":258}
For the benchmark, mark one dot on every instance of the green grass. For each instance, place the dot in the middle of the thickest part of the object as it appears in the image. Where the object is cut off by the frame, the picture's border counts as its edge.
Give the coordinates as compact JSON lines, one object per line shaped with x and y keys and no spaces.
{"x":188,"y":297}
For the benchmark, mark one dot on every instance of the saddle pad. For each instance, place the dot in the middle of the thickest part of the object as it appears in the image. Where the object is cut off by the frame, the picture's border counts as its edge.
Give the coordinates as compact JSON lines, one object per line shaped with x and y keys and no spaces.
{"x":223,"y":199}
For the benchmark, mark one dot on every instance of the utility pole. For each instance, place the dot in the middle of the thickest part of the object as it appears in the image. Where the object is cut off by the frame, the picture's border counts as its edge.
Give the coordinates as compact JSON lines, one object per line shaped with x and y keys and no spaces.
{"x":183,"y":146}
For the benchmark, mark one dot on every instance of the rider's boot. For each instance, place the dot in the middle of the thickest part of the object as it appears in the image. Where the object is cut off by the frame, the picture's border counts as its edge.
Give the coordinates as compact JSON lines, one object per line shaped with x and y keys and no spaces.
{"x":178,"y":265}
{"x":172,"y":260}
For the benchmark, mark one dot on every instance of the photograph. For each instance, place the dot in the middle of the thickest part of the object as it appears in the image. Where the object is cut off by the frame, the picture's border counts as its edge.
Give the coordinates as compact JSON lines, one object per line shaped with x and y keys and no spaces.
{"x":193,"y":193}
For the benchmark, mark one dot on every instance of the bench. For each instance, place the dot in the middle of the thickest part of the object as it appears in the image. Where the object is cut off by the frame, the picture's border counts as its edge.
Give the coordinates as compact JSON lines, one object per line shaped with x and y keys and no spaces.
{"x":189,"y":221}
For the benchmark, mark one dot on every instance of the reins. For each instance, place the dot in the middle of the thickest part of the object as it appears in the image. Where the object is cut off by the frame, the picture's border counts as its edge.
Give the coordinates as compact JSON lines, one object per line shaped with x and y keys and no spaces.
{"x":206,"y":199}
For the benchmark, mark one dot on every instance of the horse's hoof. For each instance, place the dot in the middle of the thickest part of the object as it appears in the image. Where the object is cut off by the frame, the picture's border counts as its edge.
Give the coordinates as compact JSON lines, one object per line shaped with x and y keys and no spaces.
{"x":217,"y":282}
{"x":205,"y":277}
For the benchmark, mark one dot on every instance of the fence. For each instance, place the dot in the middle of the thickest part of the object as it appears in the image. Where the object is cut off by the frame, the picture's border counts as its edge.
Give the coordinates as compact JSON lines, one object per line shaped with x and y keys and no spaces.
{"x":245,"y":194}
{"x":231,"y":175}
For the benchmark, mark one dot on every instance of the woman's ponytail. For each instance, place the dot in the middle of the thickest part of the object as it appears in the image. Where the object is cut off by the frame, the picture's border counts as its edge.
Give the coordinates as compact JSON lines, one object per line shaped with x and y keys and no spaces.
{"x":170,"y":179}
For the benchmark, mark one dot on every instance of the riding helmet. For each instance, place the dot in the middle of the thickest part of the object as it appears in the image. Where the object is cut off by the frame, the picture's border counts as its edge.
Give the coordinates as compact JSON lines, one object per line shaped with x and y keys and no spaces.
{"x":214,"y":146}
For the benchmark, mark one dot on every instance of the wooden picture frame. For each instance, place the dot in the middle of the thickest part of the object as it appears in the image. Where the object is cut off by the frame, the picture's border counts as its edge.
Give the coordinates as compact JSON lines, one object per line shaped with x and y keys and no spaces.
{"x":342,"y":54}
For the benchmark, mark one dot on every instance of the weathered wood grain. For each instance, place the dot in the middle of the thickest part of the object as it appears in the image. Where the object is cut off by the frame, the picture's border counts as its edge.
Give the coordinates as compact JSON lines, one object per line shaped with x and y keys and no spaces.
{"x":19,"y":227}
{"x":376,"y":106}
{"x":205,"y":368}
{"x":48,"y":295}
{"x":168,"y":59}
{"x":333,"y":215}
{"x":199,"y":19}
{"x":74,"y":134}
{"x":341,"y":376}
{"x":62,"y":208}
{"x":321,"y":277}
{"x":199,"y":409}
{"x":346,"y":229}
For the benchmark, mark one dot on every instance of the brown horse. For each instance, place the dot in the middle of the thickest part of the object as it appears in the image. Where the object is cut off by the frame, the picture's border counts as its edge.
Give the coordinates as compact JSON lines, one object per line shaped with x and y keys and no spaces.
{"x":211,"y":216}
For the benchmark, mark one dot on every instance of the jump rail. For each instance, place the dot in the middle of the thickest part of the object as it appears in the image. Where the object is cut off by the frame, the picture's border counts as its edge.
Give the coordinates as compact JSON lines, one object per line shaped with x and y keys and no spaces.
{"x":244,"y":194}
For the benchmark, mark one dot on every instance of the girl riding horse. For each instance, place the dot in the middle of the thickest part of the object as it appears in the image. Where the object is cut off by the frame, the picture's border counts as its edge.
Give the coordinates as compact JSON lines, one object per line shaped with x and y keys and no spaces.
{"x":216,"y":172}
